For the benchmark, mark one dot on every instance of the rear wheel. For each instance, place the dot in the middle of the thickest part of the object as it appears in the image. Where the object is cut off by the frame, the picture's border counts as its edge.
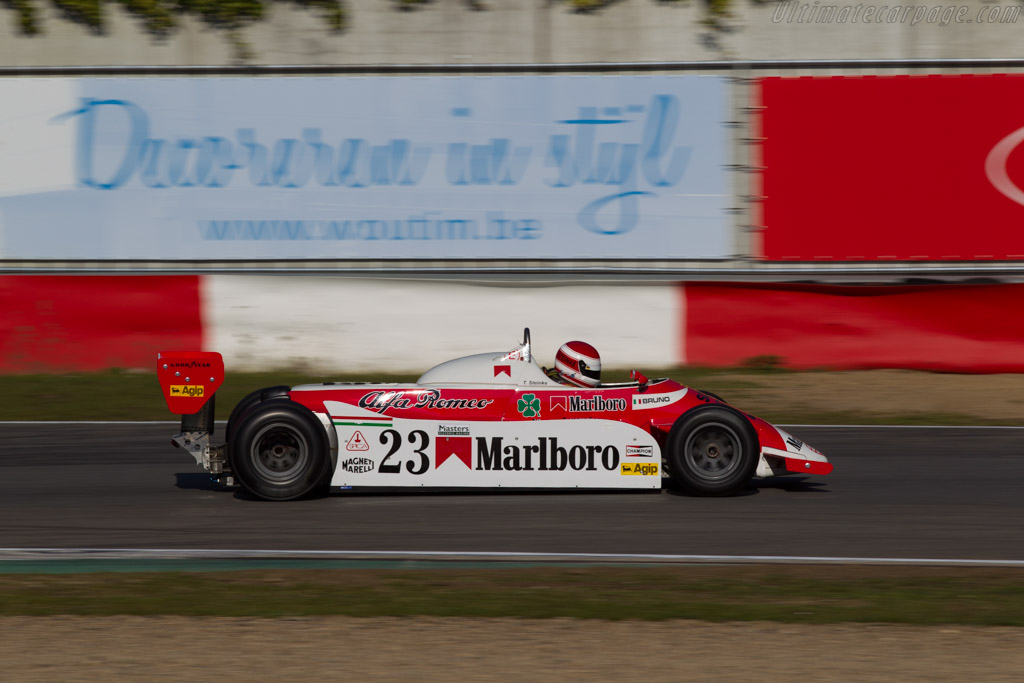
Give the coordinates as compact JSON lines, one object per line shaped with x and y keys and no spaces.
{"x":279,"y":451}
{"x":250,"y":400}
{"x":712,"y":451}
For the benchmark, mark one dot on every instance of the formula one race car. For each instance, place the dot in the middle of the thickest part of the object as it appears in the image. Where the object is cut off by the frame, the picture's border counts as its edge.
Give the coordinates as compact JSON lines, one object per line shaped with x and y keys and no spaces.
{"x":491,"y":420}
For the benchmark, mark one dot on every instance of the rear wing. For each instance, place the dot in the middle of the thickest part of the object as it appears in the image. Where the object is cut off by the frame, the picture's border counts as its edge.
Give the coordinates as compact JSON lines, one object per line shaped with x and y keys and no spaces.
{"x":189,"y":381}
{"x":189,"y":378}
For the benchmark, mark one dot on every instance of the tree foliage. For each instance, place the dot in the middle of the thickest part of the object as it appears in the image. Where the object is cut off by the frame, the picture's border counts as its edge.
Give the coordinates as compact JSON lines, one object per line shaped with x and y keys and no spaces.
{"x":716,"y":11}
{"x":161,"y":18}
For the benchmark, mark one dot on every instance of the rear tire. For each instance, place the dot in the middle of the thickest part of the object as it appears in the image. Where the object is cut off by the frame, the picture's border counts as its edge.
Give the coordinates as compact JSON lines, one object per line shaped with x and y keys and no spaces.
{"x":712,"y":451}
{"x":279,"y":451}
{"x":250,"y":400}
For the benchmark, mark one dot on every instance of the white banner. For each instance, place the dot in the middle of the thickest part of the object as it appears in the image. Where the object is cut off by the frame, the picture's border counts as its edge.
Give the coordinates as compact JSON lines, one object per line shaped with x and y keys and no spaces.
{"x":505,"y":167}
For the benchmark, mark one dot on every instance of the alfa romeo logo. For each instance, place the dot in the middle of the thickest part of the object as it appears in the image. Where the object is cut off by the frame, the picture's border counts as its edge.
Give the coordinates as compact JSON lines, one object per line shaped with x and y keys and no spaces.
{"x":529,"y":405}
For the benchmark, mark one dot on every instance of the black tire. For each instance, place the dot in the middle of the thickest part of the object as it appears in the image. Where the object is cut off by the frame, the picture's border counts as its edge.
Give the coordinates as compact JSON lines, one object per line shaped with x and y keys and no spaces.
{"x":279,"y":451}
{"x":712,"y":451}
{"x":250,"y":400}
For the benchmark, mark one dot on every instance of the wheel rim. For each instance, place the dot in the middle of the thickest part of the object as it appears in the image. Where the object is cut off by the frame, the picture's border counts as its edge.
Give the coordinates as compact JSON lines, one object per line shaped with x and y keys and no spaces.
{"x":279,"y":453}
{"x":713,"y":451}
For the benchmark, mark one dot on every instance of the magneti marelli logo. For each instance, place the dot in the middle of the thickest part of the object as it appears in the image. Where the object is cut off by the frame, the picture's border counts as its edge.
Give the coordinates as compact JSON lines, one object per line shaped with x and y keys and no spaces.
{"x":529,"y":405}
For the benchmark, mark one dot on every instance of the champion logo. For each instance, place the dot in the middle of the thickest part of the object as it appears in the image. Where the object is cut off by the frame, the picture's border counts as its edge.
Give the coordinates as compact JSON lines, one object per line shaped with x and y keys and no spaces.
{"x":639,"y":451}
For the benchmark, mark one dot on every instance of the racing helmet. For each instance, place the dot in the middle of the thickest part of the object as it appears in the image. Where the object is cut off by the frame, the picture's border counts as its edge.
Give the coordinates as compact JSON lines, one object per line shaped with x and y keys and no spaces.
{"x":579,"y":363}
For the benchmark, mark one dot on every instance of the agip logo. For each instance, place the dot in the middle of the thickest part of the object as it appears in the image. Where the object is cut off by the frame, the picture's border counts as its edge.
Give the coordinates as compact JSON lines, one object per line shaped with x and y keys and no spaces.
{"x":189,"y":390}
{"x":641,"y":468}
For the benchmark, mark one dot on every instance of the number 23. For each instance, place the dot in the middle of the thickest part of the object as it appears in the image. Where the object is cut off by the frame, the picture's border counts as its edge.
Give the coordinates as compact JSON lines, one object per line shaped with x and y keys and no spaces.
{"x":395,"y":440}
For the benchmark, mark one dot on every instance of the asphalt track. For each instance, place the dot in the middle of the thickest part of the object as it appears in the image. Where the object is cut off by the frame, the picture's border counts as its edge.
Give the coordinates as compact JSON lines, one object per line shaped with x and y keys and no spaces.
{"x":947,"y":493}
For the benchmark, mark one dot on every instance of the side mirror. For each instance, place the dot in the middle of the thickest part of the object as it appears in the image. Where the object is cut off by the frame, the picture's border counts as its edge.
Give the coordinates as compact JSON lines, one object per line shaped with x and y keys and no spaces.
{"x":638,"y":376}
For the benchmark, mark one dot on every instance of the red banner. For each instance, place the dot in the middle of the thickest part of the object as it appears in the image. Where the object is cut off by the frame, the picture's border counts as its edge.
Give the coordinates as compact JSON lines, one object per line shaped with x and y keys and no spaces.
{"x":893,"y":168}
{"x":54,"y":323}
{"x":952,"y":328}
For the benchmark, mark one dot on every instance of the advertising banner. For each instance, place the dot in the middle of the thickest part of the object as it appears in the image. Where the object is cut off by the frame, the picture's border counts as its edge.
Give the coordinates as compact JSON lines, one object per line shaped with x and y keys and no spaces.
{"x":527,"y":167}
{"x":918,"y":168}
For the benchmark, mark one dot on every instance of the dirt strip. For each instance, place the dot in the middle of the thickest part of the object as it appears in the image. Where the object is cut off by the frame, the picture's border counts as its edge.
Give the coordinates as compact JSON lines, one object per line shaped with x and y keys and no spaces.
{"x":66,"y":649}
{"x":876,"y":392}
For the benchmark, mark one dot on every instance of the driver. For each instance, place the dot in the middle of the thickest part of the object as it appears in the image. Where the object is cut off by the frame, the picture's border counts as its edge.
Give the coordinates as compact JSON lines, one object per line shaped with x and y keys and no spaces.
{"x":578,"y":364}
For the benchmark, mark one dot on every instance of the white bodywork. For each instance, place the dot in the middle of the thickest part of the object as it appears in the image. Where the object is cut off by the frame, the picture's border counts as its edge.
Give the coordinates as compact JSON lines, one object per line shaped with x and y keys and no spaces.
{"x":772,"y":459}
{"x":539,"y":454}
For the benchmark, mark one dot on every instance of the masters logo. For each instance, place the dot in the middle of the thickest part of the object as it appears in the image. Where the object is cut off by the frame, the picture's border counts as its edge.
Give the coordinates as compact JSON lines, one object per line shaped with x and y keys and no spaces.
{"x":191,"y":390}
{"x":452,"y":430}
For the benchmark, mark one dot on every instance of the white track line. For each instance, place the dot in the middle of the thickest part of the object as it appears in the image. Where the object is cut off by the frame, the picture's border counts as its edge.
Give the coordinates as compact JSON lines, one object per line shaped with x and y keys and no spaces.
{"x":7,"y":554}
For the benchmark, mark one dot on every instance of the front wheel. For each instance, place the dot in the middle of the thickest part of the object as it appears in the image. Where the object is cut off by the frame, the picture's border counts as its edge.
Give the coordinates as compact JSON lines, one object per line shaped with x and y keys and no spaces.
{"x":712,"y":451}
{"x":280,"y":451}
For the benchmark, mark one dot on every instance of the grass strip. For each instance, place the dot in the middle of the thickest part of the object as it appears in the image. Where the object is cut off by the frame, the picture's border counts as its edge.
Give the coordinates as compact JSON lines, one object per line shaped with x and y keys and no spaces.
{"x":794,"y":594}
{"x":123,"y":395}
{"x":135,"y":395}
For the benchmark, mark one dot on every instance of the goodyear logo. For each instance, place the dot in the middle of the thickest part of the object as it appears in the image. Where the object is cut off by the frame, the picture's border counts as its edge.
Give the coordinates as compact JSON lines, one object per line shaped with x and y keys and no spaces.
{"x":638,"y":468}
{"x":190,"y":390}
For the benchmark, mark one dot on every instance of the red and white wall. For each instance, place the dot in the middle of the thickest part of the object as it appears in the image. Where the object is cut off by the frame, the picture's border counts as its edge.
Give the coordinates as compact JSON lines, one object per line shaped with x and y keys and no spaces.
{"x":84,"y":323}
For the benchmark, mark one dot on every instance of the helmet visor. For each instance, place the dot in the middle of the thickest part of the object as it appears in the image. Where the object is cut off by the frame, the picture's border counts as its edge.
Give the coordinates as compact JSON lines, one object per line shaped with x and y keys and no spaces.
{"x":593,"y":372}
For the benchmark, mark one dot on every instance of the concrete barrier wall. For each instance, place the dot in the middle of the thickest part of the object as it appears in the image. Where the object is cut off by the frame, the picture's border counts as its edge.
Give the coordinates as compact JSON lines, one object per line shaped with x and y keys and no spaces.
{"x":53,"y":323}
{"x":537,"y":31}
{"x":336,"y":325}
{"x":946,"y":328}
{"x":341,"y":324}
{"x":329,"y":325}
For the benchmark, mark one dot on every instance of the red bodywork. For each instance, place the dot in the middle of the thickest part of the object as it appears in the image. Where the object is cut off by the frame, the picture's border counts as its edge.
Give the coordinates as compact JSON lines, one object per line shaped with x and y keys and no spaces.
{"x":556,"y":403}
{"x":189,"y":378}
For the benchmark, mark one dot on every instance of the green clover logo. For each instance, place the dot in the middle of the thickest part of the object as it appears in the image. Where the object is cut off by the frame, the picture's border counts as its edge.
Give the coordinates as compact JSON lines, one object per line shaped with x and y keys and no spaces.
{"x":529,"y":405}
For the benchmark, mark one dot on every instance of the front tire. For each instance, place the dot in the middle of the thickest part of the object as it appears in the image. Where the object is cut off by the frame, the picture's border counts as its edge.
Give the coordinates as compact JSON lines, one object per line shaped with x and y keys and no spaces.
{"x":712,"y":451}
{"x":279,"y":451}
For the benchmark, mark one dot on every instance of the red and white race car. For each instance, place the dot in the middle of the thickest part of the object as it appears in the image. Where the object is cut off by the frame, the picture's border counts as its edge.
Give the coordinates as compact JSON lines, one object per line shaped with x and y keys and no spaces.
{"x":490,"y":420}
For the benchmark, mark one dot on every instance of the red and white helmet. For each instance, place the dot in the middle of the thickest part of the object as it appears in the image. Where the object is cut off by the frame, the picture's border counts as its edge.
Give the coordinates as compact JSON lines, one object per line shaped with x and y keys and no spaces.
{"x":578,"y":362}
